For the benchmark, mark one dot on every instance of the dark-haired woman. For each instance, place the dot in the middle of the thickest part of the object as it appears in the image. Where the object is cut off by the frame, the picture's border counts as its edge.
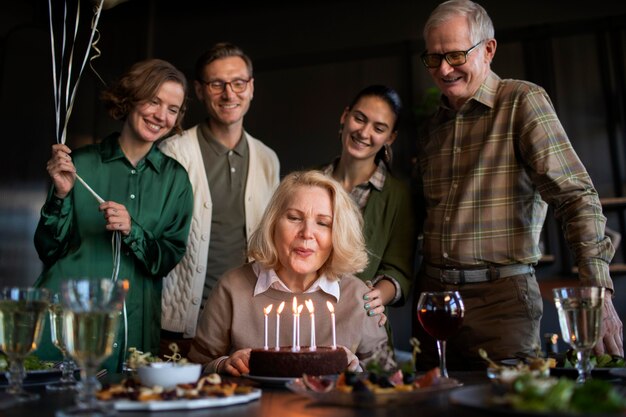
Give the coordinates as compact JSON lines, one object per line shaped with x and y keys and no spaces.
{"x":368,"y":127}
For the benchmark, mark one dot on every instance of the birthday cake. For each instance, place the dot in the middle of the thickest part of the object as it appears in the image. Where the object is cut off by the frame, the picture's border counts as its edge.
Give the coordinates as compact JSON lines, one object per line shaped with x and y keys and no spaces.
{"x":285,"y":363}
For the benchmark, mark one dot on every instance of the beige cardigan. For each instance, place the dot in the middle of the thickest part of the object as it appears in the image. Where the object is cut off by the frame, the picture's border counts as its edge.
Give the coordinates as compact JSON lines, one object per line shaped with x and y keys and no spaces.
{"x":233,"y":319}
{"x":183,"y":286}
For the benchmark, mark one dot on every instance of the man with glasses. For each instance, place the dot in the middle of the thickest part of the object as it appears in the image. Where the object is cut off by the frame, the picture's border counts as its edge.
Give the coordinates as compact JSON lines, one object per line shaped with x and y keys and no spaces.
{"x":489,"y":159}
{"x":233,"y":176}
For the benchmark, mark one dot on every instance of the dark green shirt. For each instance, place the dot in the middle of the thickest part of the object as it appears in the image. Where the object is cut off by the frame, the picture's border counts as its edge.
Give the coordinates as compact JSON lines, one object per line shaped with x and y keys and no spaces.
{"x":226,"y":171}
{"x":72,"y":241}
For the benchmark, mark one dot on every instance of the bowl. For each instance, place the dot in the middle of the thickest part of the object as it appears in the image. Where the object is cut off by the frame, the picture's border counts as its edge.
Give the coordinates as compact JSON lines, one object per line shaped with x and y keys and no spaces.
{"x":168,"y":375}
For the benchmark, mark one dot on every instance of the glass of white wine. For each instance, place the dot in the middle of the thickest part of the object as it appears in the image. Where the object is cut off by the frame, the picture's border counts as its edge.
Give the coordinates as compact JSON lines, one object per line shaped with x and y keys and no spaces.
{"x":22,"y":312}
{"x":91,"y":316}
{"x":68,"y":366}
{"x":580,"y":315}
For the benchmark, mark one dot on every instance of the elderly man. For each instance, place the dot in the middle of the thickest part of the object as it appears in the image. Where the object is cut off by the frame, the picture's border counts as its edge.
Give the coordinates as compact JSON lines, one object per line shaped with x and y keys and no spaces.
{"x":489,"y":161}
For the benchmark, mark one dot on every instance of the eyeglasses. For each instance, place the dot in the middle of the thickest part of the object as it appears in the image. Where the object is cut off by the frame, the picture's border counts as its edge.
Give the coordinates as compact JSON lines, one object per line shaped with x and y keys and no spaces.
{"x":454,"y":58}
{"x":217,"y":86}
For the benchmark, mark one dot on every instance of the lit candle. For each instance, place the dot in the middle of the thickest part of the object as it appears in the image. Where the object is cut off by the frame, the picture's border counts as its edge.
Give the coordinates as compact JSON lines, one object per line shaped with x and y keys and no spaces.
{"x":300,"y":307}
{"x":309,"y":306}
{"x":294,"y":308}
{"x":278,"y":311}
{"x":332,"y":322}
{"x":266,"y":312}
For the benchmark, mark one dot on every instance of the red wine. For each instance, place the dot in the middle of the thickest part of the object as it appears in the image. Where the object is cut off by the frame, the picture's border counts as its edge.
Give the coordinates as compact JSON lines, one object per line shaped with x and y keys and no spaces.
{"x":440,"y":324}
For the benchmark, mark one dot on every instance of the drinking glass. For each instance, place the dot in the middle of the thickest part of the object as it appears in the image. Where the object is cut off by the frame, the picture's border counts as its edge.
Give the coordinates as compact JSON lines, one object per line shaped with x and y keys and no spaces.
{"x":441,"y":315}
{"x":22,"y":311}
{"x":68,"y":366}
{"x":92,"y":309}
{"x":580,"y":315}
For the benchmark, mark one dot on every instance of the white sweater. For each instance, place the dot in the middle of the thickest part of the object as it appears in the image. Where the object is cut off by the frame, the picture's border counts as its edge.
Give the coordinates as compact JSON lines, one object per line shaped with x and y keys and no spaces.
{"x":183,"y":286}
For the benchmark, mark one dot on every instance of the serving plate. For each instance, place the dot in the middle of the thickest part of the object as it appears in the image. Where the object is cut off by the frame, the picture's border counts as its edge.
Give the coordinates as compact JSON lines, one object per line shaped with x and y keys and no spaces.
{"x":35,"y":378}
{"x":269,"y":380}
{"x":183,"y":404}
{"x":479,"y":397}
{"x":369,"y":399}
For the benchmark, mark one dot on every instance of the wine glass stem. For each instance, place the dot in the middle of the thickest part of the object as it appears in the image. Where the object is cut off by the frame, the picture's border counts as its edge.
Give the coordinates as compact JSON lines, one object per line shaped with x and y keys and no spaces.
{"x":89,"y":385}
{"x":16,"y":376}
{"x":583,"y":365}
{"x":67,"y":368}
{"x":441,"y":348}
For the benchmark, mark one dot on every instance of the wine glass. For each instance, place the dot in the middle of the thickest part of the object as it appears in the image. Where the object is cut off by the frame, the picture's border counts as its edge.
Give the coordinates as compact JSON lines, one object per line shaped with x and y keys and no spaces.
{"x":441,"y":315}
{"x":580,"y":315}
{"x":92,"y":308}
{"x":68,"y":366}
{"x":22,"y":311}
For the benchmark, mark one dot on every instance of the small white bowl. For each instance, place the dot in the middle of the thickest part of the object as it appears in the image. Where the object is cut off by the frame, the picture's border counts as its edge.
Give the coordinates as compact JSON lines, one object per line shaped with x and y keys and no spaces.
{"x":168,"y":375}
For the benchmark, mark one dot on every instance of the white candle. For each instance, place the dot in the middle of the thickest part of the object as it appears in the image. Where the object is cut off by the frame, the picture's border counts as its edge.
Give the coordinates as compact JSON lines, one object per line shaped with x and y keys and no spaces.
{"x":300,"y":307}
{"x":266,"y":312}
{"x":278,"y":311}
{"x":332,"y":322}
{"x":294,"y":308}
{"x":309,"y":306}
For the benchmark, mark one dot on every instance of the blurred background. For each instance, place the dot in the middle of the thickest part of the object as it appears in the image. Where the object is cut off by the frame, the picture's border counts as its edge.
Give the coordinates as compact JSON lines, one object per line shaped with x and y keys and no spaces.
{"x":310,"y":58}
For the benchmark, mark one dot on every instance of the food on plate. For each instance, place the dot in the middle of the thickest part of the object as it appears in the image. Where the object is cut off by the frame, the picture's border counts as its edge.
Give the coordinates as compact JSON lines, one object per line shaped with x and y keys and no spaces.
{"x":371,"y":382}
{"x":569,"y":359}
{"x":549,"y":394}
{"x":285,"y":363}
{"x":506,"y":374}
{"x":137,"y":358}
{"x":208,"y":386}
{"x":31,"y":363}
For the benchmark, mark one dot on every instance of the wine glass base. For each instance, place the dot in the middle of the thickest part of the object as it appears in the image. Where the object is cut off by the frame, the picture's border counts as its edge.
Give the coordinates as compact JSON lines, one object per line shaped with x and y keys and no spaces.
{"x":93,"y":411}
{"x":62,"y":386}
{"x":24,"y":396}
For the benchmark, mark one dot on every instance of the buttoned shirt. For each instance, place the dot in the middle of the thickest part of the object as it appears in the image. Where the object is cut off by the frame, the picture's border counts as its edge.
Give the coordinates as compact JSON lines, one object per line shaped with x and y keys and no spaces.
{"x":487,"y":172}
{"x":267,"y":278}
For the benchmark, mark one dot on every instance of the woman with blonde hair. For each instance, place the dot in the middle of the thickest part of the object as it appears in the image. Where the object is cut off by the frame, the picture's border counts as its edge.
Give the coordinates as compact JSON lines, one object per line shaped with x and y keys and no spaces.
{"x":309,"y":244}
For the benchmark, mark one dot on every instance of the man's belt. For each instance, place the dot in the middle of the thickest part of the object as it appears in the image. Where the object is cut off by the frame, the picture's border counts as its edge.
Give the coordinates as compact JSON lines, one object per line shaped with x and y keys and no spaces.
{"x":472,"y":276}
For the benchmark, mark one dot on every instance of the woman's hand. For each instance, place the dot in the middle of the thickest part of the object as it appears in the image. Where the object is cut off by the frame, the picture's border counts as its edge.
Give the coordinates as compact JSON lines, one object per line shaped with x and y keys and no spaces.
{"x":116,"y":216}
{"x":353,"y":361}
{"x":62,"y":170}
{"x":376,"y":297}
{"x":237,"y":363}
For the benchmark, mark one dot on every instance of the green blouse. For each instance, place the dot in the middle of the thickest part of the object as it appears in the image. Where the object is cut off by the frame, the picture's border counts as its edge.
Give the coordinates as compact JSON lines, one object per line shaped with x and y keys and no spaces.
{"x":72,"y":241}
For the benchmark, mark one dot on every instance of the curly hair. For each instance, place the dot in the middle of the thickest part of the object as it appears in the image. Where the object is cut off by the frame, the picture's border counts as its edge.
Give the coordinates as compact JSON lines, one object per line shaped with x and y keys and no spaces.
{"x":348,"y":255}
{"x":141,"y":83}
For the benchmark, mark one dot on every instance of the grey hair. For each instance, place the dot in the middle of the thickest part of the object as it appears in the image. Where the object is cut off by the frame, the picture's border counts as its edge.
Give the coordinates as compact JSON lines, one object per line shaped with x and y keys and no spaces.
{"x":480,"y":24}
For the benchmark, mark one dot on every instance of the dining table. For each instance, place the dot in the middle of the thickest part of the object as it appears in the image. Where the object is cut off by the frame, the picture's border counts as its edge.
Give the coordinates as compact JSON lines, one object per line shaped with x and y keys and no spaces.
{"x":278,"y":401}
{"x":275,"y":400}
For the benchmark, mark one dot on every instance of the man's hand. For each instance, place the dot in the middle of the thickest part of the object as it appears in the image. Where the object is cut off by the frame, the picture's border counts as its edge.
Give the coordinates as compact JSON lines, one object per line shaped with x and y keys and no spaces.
{"x":611,"y":330}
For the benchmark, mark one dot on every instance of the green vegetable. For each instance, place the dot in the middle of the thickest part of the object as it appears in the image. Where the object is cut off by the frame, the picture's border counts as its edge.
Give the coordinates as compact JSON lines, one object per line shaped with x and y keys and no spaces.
{"x":565,"y":396}
{"x":31,"y":363}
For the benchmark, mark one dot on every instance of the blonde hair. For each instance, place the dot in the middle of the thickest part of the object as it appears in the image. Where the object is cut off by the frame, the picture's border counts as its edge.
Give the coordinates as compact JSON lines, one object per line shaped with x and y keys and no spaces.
{"x":348,"y":255}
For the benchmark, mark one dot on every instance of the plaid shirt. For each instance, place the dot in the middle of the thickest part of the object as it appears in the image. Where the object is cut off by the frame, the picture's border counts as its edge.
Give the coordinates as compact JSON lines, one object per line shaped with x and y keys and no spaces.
{"x":486,"y":173}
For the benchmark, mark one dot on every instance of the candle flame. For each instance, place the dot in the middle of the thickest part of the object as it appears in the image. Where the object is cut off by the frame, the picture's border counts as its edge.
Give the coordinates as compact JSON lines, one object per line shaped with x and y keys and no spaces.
{"x":300,"y":307}
{"x":280,"y":308}
{"x":330,"y":307}
{"x":294,"y":306}
{"x":267,"y":309}
{"x":309,"y":306}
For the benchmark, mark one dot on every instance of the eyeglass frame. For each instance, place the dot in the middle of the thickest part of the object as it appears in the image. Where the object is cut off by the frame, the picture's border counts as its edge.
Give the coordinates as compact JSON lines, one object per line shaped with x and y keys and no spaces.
{"x":445,"y":56}
{"x":225,"y":84}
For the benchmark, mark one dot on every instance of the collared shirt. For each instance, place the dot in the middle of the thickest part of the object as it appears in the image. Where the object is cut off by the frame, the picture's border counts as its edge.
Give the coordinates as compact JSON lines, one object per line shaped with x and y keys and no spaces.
{"x":267,"y":279}
{"x":226,"y":170}
{"x":487,"y":172}
{"x":361,"y":192}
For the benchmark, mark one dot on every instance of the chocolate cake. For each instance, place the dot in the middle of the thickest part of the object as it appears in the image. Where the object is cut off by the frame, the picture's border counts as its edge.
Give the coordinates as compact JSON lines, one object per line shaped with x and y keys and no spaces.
{"x":285,"y":363}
